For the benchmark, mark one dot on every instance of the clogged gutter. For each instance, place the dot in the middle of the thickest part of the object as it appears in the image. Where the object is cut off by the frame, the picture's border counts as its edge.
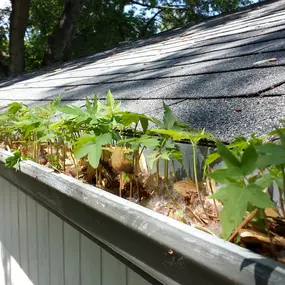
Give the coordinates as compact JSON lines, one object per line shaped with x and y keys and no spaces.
{"x":91,"y":144}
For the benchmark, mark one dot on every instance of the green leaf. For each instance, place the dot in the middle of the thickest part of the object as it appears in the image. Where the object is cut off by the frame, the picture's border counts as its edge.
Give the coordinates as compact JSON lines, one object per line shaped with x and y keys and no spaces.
{"x":248,"y":160}
{"x":95,"y":154}
{"x":47,"y":137}
{"x":11,"y":161}
{"x":144,"y":124}
{"x":88,"y":105}
{"x":234,"y":207}
{"x":236,"y":200}
{"x":128,"y":118}
{"x":144,"y":140}
{"x":14,"y":107}
{"x":225,"y":175}
{"x":3,"y":118}
{"x":149,"y":141}
{"x":211,"y":158}
{"x":55,"y":103}
{"x":168,"y":117}
{"x":92,"y":148}
{"x":84,"y":139}
{"x":82,"y":146}
{"x":117,"y":107}
{"x":178,"y":155}
{"x":56,"y":125}
{"x":265,"y":180}
{"x":110,"y":100}
{"x":171,"y":133}
{"x":154,"y":156}
{"x":279,"y":182}
{"x":152,"y":161}
{"x":281,"y":134}
{"x":270,"y":154}
{"x":104,"y":139}
{"x":230,"y":160}
{"x":94,"y":110}
{"x":239,"y":143}
{"x":155,"y":121}
{"x":257,"y":197}
{"x":84,"y":149}
{"x":165,"y":155}
{"x":73,"y":111}
{"x":169,"y":144}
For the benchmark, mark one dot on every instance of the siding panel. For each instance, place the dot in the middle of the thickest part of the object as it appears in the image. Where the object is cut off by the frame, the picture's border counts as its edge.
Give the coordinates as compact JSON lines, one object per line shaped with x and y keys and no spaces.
{"x":15,"y":250}
{"x":8,"y":233}
{"x":39,"y":248}
{"x":71,"y":255}
{"x":114,"y":272}
{"x":135,"y":279}
{"x":7,"y":216}
{"x":56,"y":250}
{"x":23,"y":231}
{"x":90,"y":262}
{"x":32,"y":240}
{"x":2,"y":232}
{"x":43,"y":245}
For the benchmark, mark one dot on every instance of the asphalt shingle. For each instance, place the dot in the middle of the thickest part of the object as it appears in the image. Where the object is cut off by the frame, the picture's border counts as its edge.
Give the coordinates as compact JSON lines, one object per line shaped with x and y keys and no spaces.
{"x":226,"y":75}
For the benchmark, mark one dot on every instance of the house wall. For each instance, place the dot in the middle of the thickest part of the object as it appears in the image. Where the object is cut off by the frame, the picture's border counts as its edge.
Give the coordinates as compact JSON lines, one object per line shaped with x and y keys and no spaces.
{"x":39,"y":248}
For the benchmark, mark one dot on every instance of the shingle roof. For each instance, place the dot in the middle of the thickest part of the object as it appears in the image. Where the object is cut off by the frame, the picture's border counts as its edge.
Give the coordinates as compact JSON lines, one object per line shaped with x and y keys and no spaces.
{"x":226,"y":75}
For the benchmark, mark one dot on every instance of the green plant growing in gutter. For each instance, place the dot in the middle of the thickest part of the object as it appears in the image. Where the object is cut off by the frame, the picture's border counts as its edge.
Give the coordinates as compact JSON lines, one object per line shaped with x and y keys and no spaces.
{"x":14,"y":160}
{"x":193,"y":136}
{"x":88,"y":134}
{"x":251,"y":167}
{"x":241,"y":189}
{"x":104,"y":145}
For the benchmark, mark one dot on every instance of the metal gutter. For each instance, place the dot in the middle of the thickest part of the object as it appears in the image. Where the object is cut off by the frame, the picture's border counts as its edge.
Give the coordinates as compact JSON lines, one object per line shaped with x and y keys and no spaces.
{"x":163,"y":250}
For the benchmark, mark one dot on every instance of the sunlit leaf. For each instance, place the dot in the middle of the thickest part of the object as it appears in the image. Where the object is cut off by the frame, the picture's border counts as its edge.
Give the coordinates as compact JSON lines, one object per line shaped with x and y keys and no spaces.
{"x":270,"y":154}
{"x":11,"y":161}
{"x":92,"y":148}
{"x":14,"y":107}
{"x":236,"y":200}
{"x":110,"y":100}
{"x":168,"y":117}
{"x":248,"y":160}
{"x":230,"y":160}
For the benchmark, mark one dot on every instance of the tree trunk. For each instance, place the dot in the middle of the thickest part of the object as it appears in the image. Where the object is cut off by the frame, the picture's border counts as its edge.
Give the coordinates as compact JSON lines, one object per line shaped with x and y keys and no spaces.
{"x":63,"y":33}
{"x":3,"y":70}
{"x":18,"y":23}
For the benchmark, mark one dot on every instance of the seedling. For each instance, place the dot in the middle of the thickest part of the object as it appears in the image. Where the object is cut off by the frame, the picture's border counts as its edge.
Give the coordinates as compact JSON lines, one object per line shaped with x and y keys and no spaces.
{"x":105,"y":146}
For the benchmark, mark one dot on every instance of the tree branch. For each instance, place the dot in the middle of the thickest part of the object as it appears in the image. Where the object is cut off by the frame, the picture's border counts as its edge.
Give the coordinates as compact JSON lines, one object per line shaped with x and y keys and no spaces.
{"x":158,"y":7}
{"x":142,"y":32}
{"x":152,"y":18}
{"x":18,"y":22}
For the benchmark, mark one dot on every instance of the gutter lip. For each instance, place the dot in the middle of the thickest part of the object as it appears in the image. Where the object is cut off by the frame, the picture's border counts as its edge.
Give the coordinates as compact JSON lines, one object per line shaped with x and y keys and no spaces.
{"x":145,"y":237}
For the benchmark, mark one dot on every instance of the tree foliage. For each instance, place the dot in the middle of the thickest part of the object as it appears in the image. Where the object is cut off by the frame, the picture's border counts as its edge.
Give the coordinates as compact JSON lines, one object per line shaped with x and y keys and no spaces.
{"x":4,"y":48}
{"x":56,"y":31}
{"x":18,"y":23}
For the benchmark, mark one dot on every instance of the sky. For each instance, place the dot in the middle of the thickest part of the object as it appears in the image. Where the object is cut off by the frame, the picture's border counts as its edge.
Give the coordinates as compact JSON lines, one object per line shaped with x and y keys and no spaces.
{"x":4,"y":3}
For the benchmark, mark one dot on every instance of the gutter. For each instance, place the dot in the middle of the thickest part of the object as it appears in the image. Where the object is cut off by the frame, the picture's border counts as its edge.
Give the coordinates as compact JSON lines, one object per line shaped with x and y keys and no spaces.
{"x":159,"y":248}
